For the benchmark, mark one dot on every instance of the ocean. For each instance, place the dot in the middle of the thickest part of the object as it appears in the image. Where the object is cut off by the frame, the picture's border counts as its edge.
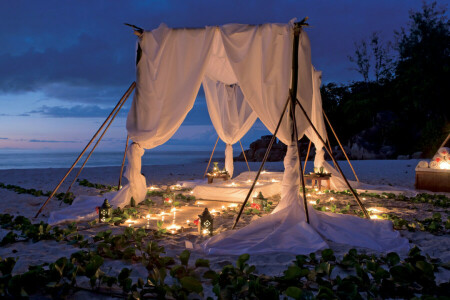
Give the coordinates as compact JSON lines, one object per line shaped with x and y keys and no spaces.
{"x":28,"y":159}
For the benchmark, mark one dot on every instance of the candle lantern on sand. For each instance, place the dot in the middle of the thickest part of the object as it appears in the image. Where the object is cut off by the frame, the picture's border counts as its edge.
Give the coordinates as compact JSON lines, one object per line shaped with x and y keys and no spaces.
{"x":205,"y":223}
{"x":105,"y":211}
{"x":259,"y":201}
{"x":168,"y":197}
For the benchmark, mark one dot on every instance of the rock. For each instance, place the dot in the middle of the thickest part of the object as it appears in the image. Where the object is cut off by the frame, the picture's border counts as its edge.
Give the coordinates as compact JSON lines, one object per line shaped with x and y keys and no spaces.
{"x":417,"y":155}
{"x":403,"y":157}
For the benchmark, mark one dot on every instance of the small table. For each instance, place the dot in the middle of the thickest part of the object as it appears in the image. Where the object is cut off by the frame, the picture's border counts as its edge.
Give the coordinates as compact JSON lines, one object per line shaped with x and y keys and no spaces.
{"x":224,"y":176}
{"x":315,"y":178}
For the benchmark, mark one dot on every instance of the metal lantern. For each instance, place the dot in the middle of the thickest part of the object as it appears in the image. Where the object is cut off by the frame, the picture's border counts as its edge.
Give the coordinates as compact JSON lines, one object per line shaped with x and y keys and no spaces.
{"x":205,"y":224}
{"x":105,"y":211}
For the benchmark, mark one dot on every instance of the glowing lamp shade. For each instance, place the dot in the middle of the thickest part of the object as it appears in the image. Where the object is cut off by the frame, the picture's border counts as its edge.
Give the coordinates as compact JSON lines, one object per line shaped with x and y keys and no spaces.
{"x":206,"y":222}
{"x":105,"y":212}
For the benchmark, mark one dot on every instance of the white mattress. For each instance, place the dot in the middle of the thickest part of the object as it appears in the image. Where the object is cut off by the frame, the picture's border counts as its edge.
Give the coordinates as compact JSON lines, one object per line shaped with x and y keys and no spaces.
{"x":236,"y":189}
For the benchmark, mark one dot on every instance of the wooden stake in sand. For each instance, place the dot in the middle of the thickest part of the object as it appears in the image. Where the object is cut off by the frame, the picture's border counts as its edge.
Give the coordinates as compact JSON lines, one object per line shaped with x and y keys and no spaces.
{"x":212,"y":153}
{"x":245,"y":157}
{"x":340,"y":145}
{"x":95,"y":146}
{"x":293,"y":92}
{"x":124,"y":97}
{"x":307,"y":155}
{"x":262,"y":165}
{"x":123,"y":162}
{"x":334,"y":160}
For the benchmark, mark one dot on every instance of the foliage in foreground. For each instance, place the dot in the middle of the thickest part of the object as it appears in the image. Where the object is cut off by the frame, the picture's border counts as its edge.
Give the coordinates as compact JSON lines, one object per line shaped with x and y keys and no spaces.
{"x":355,"y":276}
{"x":312,"y":276}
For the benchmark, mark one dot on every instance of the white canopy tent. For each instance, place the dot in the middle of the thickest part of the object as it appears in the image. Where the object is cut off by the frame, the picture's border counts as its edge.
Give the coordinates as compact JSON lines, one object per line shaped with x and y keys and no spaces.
{"x":247,"y":73}
{"x":257,"y":61}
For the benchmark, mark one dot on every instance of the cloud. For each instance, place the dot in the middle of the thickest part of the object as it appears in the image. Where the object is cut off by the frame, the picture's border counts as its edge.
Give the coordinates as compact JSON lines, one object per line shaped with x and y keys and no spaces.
{"x":50,"y":141}
{"x":77,"y":111}
{"x":2,"y":138}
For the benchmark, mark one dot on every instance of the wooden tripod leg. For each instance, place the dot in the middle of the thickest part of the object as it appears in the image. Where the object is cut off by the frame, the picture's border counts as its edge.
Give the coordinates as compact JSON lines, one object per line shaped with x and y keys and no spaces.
{"x":445,"y":142}
{"x":294,"y":132}
{"x":210,"y":158}
{"x":307,"y":155}
{"x":340,"y":145}
{"x":245,"y":157}
{"x":127,"y":93}
{"x":334,"y":160}
{"x":262,"y":164}
{"x":302,"y":177}
{"x":96,"y":144}
{"x":123,"y":162}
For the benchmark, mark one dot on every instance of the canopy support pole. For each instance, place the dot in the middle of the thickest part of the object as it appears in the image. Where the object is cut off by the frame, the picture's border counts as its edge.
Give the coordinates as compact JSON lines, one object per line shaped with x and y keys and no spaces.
{"x":340,"y":145}
{"x":124,"y":97}
{"x":210,"y":158}
{"x":293,"y":92}
{"x":307,"y":155}
{"x":445,"y":142}
{"x":96,"y":144}
{"x":334,"y":160}
{"x":123,"y":162}
{"x":262,"y":164}
{"x":245,"y":157}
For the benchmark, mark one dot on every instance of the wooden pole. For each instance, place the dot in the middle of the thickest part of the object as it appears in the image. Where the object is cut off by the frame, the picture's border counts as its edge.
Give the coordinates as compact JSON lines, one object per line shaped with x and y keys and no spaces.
{"x":307,"y":155}
{"x":262,"y":165}
{"x":96,"y":144}
{"x":340,"y":145}
{"x":210,"y":158}
{"x":127,"y":93}
{"x":445,"y":142}
{"x":293,"y":91}
{"x":245,"y":157}
{"x":334,"y":160}
{"x":123,"y":162}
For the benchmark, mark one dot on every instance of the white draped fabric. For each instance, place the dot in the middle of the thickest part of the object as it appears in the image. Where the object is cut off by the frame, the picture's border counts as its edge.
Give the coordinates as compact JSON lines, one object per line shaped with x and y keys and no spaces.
{"x":285,"y":230}
{"x":317,"y":120}
{"x":84,"y":207}
{"x":230,"y":114}
{"x":258,"y":58}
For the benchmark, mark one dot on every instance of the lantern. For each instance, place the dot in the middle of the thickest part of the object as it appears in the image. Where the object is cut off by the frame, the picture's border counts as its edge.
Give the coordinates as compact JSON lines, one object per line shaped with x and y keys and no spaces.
{"x":205,"y":224}
{"x":105,"y":212}
{"x":260,"y":200}
{"x":215,"y":168}
{"x":168,"y":197}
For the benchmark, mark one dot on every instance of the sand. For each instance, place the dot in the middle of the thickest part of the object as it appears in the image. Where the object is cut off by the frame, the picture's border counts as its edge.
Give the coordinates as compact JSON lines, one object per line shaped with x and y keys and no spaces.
{"x":397,"y":172}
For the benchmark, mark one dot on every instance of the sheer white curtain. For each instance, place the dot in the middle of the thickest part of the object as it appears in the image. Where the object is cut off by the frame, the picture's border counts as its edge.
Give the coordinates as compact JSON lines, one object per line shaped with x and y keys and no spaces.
{"x":317,"y":120}
{"x":260,"y":58}
{"x":230,"y":114}
{"x":168,"y":78}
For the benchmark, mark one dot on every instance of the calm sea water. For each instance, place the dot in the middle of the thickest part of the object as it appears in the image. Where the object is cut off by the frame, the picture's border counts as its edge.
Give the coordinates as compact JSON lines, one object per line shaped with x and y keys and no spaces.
{"x":31,"y":159}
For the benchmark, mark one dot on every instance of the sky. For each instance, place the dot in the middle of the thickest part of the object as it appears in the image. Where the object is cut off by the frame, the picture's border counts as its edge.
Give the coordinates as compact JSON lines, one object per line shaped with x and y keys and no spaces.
{"x":65,"y":64}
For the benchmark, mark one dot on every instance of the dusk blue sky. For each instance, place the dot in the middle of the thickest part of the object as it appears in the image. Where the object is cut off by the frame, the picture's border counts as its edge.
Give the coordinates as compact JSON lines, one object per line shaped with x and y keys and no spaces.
{"x":65,"y":64}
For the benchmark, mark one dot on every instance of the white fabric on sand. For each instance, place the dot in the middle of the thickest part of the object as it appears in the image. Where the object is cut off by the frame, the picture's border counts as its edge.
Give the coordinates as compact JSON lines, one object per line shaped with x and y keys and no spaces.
{"x":230,"y":114}
{"x":285,"y":230}
{"x":84,"y":207}
{"x":269,"y":184}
